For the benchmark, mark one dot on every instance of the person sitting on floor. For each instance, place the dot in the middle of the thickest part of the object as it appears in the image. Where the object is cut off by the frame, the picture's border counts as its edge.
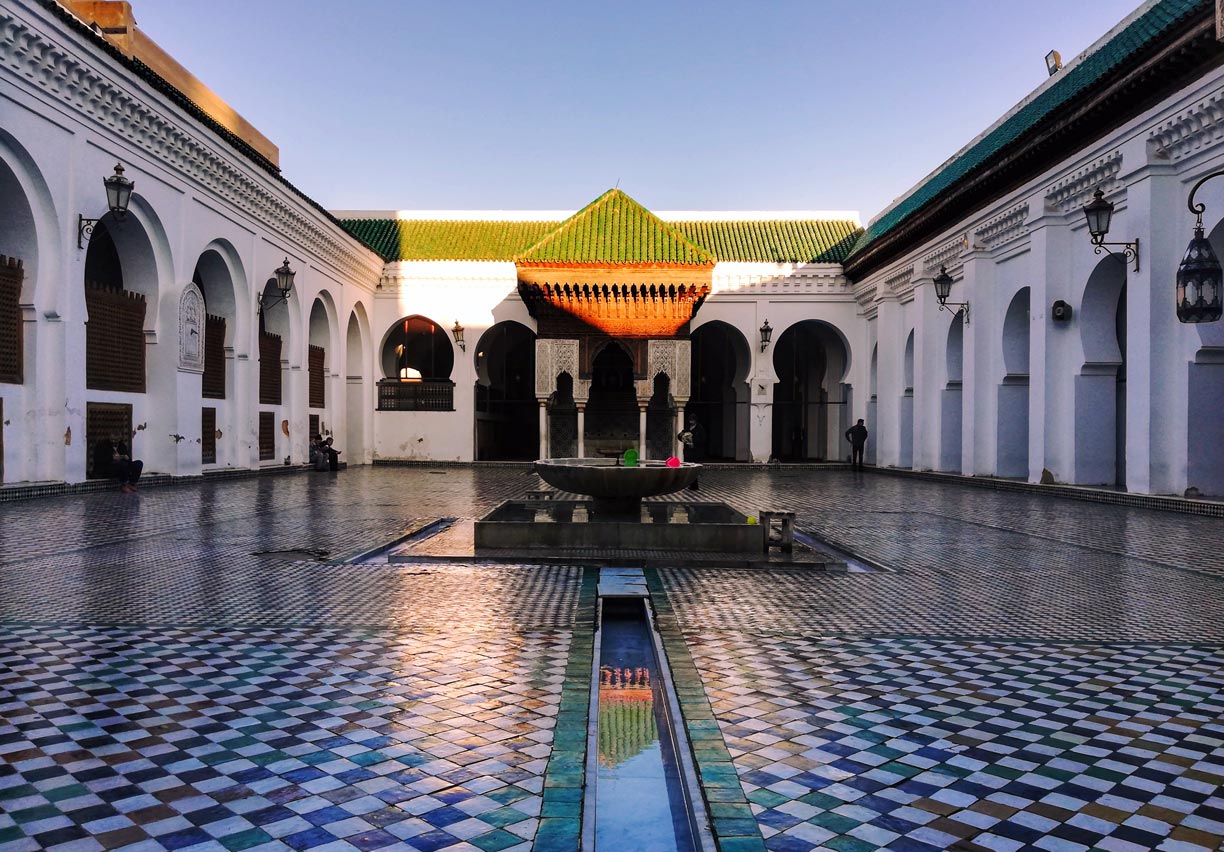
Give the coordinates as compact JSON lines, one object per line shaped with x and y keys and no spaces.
{"x":125,"y":468}
{"x":318,"y":454}
{"x":333,"y":455}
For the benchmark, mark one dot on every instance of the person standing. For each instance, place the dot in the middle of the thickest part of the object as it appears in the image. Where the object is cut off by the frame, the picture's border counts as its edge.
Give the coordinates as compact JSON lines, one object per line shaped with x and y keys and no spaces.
{"x":857,"y":436}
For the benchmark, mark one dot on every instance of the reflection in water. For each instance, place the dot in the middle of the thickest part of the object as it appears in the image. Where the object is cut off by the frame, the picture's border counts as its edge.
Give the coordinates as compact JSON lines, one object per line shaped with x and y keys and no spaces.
{"x":583,"y":512}
{"x":639,"y":803}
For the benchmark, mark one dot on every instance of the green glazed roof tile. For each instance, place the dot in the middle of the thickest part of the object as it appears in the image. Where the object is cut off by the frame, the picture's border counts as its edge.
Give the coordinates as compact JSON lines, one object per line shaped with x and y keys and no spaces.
{"x":777,"y":240}
{"x":615,"y":234}
{"x":1090,"y":71}
{"x":615,"y":229}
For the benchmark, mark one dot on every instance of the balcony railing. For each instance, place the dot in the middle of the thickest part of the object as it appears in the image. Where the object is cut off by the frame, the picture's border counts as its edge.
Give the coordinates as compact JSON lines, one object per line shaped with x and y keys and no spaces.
{"x":426,"y":395}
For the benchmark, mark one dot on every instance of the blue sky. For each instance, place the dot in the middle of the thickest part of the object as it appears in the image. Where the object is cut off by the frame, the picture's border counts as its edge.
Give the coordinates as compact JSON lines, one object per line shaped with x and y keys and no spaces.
{"x":826,"y":104}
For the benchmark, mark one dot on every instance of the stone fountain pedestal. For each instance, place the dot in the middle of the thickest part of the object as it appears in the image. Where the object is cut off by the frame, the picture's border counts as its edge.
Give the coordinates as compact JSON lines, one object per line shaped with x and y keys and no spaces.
{"x":615,"y":517}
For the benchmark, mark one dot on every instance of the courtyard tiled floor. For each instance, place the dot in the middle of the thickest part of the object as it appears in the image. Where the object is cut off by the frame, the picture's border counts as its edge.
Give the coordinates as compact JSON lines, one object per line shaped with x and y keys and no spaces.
{"x":197,"y":668}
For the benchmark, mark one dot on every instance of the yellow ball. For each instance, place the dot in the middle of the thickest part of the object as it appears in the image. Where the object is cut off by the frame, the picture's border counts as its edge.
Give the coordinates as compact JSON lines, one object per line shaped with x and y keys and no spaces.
{"x":751,"y":519}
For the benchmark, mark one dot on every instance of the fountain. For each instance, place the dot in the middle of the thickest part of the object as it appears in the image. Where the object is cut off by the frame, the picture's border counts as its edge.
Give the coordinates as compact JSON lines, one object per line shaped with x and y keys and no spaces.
{"x":616,"y":517}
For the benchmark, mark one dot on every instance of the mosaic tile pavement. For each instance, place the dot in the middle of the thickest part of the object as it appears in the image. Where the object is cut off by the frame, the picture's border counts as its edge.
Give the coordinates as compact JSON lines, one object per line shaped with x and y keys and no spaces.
{"x":159,"y":654}
{"x":920,"y":745}
{"x":130,"y":738}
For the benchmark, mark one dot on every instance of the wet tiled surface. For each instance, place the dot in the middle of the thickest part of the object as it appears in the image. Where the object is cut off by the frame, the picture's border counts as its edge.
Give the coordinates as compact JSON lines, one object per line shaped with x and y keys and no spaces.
{"x":189,"y":669}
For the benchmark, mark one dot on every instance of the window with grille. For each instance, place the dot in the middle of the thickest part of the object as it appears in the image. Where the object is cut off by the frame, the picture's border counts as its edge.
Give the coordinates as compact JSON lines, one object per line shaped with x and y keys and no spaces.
{"x":316,"y":356}
{"x":11,"y":353}
{"x":208,"y":436}
{"x":269,"y":369}
{"x":267,"y":435}
{"x":106,"y":424}
{"x":314,"y":426}
{"x":114,"y":339}
{"x":214,"y":358}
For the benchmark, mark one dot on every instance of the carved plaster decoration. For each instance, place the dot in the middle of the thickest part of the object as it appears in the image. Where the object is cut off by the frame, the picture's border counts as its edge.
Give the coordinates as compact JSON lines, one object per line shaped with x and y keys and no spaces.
{"x":191,"y":330}
{"x":554,"y":357}
{"x":947,"y":255}
{"x":1070,"y":194}
{"x":1191,"y":130}
{"x":645,"y":390}
{"x":156,"y":129}
{"x":745,"y":277}
{"x":1004,"y":228}
{"x":901,"y":279}
{"x":672,"y":357}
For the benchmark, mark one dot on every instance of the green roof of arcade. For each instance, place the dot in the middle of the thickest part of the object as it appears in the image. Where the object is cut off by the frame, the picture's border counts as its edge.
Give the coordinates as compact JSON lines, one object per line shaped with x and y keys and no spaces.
{"x":613,"y":230}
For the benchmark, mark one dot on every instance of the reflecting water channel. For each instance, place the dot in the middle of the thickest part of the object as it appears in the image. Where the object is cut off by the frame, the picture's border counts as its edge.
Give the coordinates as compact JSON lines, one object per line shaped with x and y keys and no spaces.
{"x":639,"y":800}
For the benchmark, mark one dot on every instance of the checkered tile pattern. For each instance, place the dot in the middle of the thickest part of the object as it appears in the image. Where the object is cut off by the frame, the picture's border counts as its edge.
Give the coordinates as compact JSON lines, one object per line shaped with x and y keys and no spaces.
{"x":298,"y":739}
{"x":917,"y":745}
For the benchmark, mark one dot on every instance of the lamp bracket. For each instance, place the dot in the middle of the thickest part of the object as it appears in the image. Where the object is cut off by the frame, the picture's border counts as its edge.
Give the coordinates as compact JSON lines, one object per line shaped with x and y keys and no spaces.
{"x":85,"y":229}
{"x":1130,"y":250}
{"x":962,"y":306}
{"x":1198,"y":208}
{"x":267,"y":301}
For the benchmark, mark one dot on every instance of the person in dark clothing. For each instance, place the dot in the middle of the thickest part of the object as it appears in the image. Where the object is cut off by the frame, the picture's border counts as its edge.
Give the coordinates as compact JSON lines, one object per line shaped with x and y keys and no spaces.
{"x":857,"y":436}
{"x":319,"y":458}
{"x":333,"y":455}
{"x":693,"y":445}
{"x":125,"y":468}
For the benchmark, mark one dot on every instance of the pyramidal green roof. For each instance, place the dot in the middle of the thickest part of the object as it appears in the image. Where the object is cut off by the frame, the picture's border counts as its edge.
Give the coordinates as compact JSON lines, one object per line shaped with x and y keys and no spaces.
{"x":614,"y":229}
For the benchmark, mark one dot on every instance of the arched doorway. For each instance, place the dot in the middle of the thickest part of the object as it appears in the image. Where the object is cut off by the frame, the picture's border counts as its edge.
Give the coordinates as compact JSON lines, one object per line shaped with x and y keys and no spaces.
{"x":720,"y":364}
{"x":218,"y":429}
{"x":1013,"y":426}
{"x":611,"y":421}
{"x":661,"y":421}
{"x":873,"y":384}
{"x":318,"y":368}
{"x":906,"y":457}
{"x":121,"y":291}
{"x":950,"y":398}
{"x":1100,"y":387}
{"x":563,"y":419}
{"x":356,"y":353}
{"x":275,"y":344}
{"x":417,"y":358}
{"x":18,"y":268}
{"x":1205,"y":426}
{"x":810,"y":400}
{"x":507,"y":425}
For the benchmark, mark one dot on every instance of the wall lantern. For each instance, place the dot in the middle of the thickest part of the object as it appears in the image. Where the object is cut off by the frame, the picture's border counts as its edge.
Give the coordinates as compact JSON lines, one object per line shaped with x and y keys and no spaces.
{"x":766,"y":335}
{"x":1198,"y":275}
{"x":283,"y":279}
{"x":118,"y":197}
{"x":943,"y":288}
{"x":457,"y":333}
{"x":1099,"y":212}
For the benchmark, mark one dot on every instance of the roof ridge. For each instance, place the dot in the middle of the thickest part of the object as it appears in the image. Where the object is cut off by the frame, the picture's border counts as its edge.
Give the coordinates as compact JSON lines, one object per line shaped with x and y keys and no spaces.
{"x":635,"y":209}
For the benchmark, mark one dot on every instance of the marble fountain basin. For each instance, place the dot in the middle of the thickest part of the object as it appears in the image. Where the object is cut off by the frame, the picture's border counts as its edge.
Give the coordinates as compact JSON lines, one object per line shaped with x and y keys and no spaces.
{"x":608,"y":479}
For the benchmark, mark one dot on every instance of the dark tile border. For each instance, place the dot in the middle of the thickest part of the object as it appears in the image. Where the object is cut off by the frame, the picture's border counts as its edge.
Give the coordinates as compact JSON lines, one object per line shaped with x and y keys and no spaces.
{"x":561,"y":815}
{"x":1165,"y":503}
{"x":732,"y":821}
{"x":35,"y":490}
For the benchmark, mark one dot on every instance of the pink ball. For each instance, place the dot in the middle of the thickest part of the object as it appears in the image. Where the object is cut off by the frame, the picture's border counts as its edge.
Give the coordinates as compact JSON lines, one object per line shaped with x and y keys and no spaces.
{"x":673,"y":462}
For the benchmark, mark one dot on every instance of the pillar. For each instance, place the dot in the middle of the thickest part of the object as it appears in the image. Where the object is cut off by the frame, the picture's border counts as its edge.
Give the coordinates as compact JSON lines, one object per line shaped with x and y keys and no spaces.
{"x":581,"y":430}
{"x":641,"y":430}
{"x":677,"y":450}
{"x":543,"y":428}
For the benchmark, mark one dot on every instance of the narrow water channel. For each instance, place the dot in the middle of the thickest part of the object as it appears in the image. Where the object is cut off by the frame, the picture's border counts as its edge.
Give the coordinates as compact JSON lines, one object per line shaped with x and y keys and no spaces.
{"x":640,"y":804}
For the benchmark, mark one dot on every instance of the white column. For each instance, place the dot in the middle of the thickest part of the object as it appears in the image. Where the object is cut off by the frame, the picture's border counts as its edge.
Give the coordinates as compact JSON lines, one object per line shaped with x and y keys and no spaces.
{"x":543,"y":428}
{"x":641,"y":430}
{"x":677,"y":449}
{"x":581,"y":430}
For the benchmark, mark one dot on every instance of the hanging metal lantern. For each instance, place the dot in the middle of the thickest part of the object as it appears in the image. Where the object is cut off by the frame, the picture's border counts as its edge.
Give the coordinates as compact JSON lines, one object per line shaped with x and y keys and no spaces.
{"x":1198,"y":281}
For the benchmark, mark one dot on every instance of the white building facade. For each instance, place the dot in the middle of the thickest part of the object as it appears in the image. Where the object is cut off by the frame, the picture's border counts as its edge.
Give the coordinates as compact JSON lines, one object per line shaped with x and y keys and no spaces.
{"x":435,"y":336}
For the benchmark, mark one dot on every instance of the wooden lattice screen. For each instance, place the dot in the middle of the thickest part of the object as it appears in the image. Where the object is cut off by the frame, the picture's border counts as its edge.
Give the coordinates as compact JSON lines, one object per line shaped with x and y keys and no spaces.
{"x":214,"y":358}
{"x":208,"y":436}
{"x":114,"y":339}
{"x":269,"y":369}
{"x":314,"y":426}
{"x":105,"y":421}
{"x":316,"y":356}
{"x":11,"y":365}
{"x":267,"y":435}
